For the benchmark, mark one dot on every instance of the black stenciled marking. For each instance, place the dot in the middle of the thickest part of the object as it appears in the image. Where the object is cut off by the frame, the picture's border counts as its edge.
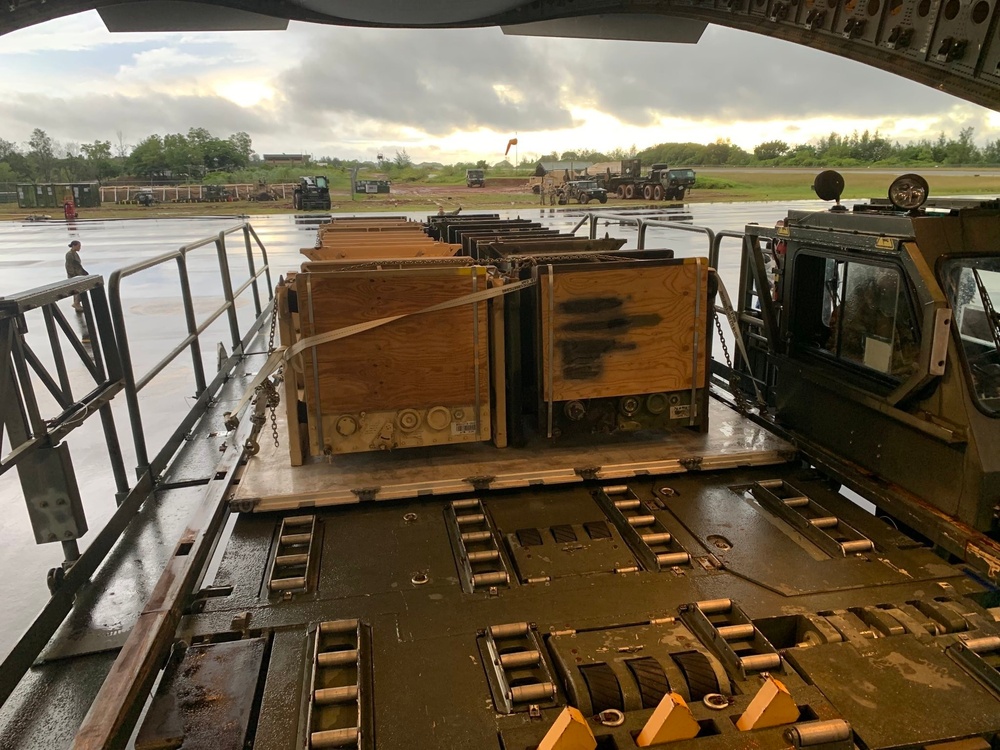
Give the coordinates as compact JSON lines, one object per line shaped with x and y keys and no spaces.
{"x":582,"y":358}
{"x":618,"y":323}
{"x":585,"y":305}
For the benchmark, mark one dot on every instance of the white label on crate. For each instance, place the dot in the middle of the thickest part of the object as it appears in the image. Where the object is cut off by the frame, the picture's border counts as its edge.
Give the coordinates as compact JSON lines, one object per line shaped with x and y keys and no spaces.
{"x":463,"y":428}
{"x":680,"y":412}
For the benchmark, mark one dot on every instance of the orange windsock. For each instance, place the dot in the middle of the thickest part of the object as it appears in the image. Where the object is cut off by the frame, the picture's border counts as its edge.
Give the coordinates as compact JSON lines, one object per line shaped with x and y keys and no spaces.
{"x":511,"y":142}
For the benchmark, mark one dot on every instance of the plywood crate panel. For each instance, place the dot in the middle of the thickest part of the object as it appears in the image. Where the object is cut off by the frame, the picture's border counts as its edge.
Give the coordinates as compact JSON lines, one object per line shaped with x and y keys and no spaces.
{"x":420,"y":380}
{"x":623,"y":330}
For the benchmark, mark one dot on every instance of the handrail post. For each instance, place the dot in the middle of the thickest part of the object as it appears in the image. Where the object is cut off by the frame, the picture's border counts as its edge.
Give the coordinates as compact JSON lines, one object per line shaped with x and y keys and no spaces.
{"x":192,"y":325}
{"x":253,"y":272}
{"x":128,"y":374}
{"x":227,"y":289}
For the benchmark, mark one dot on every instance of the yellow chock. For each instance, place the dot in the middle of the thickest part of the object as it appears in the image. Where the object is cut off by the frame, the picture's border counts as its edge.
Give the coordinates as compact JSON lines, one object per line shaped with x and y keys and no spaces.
{"x":569,"y":732}
{"x":672,"y":720}
{"x":771,"y":707}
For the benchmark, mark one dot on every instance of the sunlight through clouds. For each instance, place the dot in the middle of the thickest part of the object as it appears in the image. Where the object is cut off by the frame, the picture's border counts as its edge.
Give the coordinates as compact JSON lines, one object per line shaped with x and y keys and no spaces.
{"x":448,"y":95}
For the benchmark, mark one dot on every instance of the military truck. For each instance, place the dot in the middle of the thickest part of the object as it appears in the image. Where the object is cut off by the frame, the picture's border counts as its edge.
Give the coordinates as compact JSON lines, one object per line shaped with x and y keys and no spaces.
{"x":216,"y":194}
{"x":583,"y":191}
{"x":625,"y":180}
{"x":665,"y":183}
{"x":475,"y":178}
{"x":312,"y":193}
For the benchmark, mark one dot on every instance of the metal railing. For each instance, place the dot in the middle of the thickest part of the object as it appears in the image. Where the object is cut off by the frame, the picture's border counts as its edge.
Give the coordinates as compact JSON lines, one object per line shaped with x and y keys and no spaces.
{"x":31,"y":435}
{"x":192,"y":341}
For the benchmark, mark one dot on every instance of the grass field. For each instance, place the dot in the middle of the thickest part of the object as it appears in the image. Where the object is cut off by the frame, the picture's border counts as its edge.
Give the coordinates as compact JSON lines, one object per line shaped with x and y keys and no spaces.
{"x":712,"y":187}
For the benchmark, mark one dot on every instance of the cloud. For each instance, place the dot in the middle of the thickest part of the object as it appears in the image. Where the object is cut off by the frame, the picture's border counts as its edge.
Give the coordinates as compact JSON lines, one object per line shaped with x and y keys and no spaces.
{"x":98,"y":117}
{"x":436,"y":81}
{"x":455,"y":94}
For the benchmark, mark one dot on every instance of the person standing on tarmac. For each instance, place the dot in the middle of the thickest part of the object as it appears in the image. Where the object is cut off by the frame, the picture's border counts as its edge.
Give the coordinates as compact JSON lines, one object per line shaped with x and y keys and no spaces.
{"x":75,"y":268}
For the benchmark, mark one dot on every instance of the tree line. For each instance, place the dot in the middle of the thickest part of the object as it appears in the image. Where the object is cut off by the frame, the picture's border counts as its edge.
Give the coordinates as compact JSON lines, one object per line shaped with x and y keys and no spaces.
{"x":200,"y":156}
{"x":835,"y":150}
{"x":187,"y":156}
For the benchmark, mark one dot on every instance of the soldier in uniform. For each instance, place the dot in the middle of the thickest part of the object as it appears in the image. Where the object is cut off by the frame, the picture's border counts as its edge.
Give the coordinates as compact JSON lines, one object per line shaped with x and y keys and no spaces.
{"x":75,"y":268}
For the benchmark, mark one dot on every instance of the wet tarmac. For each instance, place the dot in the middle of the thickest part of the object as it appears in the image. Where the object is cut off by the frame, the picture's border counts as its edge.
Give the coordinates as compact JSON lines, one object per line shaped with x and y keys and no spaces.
{"x":32,"y":255}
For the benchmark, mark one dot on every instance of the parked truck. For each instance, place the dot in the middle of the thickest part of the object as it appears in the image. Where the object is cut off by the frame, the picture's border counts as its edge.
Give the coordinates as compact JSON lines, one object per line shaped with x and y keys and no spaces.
{"x":475,"y":178}
{"x":625,"y":180}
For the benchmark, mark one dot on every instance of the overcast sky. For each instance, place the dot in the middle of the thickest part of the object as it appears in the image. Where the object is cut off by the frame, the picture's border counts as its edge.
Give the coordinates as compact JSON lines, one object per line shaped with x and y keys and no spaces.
{"x":450,"y":95}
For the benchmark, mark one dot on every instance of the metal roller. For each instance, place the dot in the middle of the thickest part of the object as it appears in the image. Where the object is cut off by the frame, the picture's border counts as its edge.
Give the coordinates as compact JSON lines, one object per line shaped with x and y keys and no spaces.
{"x":470,"y":518}
{"x":509,"y":630}
{"x":483,"y":555}
{"x":818,"y":732}
{"x":287,"y":584}
{"x":735,"y":632}
{"x":337,"y":658}
{"x":760,"y":662}
{"x":476,"y":536}
{"x":520,"y":659}
{"x":857,"y":545}
{"x":616,"y":489}
{"x":661,"y":537}
{"x":291,"y":559}
{"x":334,"y":738}
{"x":824,"y":522}
{"x":296,"y":538}
{"x":299,"y":521}
{"x":669,"y":559}
{"x":626,"y":504}
{"x":715,"y":606}
{"x":338,"y":626}
{"x":536,"y":692}
{"x":641,"y":520}
{"x":796,"y":502}
{"x":330,"y":696}
{"x":464,"y":504}
{"x":982,"y":645}
{"x":490,"y":579}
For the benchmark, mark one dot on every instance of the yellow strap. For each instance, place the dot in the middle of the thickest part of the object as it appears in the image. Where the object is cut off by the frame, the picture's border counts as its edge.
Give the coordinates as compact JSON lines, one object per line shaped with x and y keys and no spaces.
{"x":284,"y":354}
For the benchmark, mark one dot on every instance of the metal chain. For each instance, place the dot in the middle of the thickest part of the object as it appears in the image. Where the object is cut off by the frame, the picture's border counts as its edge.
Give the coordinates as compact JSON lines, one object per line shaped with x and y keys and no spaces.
{"x":734,"y":384}
{"x":273,"y":399}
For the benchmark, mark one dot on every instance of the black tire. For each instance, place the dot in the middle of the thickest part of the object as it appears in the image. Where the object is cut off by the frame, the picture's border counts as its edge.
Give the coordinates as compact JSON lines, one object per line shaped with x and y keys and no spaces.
{"x":297,"y":201}
{"x":698,"y":672}
{"x":651,"y":679}
{"x":561,"y":200}
{"x":603,"y":199}
{"x":629,"y":192}
{"x":620,"y":192}
{"x":602,"y":684}
{"x":584,"y":199}
{"x":536,"y":189}
{"x":658,"y":193}
{"x":647,"y":193}
{"x":680,"y":194}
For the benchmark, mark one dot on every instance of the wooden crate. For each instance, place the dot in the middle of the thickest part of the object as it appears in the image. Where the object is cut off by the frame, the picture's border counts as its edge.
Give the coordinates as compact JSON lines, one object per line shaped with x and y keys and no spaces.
{"x":626,"y":337}
{"x":421,"y":380}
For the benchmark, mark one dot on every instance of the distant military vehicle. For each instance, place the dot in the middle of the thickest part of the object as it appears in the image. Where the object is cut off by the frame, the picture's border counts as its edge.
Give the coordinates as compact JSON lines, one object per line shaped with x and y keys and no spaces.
{"x":583,"y":191}
{"x":475,"y":178}
{"x":216,"y":194}
{"x":312,"y":193}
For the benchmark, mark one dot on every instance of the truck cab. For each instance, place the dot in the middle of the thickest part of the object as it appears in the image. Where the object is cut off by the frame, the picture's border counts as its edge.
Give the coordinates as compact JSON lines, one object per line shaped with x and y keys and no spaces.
{"x":872,"y":336}
{"x":672,"y":183}
{"x":475,"y":178}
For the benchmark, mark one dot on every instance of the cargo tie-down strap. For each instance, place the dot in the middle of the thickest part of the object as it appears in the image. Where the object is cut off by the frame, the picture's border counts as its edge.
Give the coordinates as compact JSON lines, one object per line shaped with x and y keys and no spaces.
{"x":285,"y":354}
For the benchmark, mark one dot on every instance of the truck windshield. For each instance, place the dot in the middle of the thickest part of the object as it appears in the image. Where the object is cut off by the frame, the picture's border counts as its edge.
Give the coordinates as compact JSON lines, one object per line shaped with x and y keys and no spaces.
{"x":321,"y":183}
{"x":973,"y":289}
